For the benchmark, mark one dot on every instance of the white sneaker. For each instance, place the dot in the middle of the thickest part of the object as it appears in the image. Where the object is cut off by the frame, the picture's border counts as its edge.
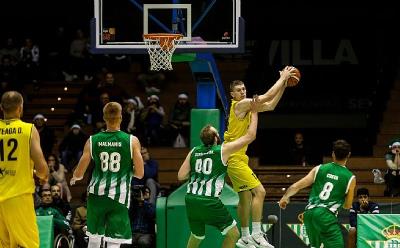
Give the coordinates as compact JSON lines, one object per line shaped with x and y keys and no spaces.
{"x":260,"y":240}
{"x":245,"y":243}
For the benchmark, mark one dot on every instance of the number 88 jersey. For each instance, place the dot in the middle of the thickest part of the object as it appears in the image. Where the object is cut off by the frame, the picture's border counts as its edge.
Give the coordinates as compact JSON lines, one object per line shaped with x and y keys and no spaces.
{"x":331,"y":184}
{"x":112,"y":155}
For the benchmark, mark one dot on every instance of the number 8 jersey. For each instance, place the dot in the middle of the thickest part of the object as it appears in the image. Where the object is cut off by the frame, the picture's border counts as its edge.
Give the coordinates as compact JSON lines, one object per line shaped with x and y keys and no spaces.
{"x":112,"y":155}
{"x":207,"y":171}
{"x":331,"y":184}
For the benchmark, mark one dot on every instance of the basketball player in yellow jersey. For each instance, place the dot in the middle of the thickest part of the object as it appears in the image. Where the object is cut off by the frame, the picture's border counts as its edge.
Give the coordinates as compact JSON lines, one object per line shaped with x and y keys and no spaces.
{"x":19,"y":145}
{"x":245,"y":182}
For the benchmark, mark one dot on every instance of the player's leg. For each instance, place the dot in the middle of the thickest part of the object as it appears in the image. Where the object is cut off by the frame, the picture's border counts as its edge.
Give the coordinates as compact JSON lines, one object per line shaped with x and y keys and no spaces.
{"x":331,"y":234}
{"x":95,"y":220}
{"x":352,"y":238}
{"x":194,"y":241}
{"x":118,"y":227}
{"x":20,"y":218}
{"x":257,"y":206}
{"x":243,"y":210}
{"x":220,"y":218}
{"x":231,"y":238}
{"x":195,"y":212}
{"x":312,"y":228}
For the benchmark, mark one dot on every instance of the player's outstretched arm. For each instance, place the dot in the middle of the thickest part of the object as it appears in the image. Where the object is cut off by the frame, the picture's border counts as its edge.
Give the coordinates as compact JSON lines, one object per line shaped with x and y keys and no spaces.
{"x":250,"y":136}
{"x":184,"y":171}
{"x":271,"y":98}
{"x":83,"y":164}
{"x":41,"y":168}
{"x":350,"y":194}
{"x":296,"y":187}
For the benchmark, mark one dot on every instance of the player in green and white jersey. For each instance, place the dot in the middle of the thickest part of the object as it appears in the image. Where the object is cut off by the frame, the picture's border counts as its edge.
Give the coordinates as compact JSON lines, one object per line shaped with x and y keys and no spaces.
{"x":332,"y":187}
{"x":205,"y":167}
{"x":117,"y":158}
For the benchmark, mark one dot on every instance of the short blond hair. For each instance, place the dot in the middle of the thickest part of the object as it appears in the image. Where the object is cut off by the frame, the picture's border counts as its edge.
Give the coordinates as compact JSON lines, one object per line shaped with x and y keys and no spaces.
{"x":112,"y":112}
{"x":235,"y":83}
{"x":10,"y":101}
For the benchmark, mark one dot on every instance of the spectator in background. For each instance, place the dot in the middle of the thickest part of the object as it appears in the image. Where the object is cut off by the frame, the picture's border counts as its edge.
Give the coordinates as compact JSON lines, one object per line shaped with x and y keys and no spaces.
{"x":362,"y":206}
{"x":179,"y":121}
{"x":151,"y":81}
{"x":79,"y":225}
{"x":71,"y":146}
{"x":29,"y":63}
{"x":115,"y":92}
{"x":152,"y":117}
{"x":150,"y":178}
{"x":99,"y":124}
{"x":142,"y":216}
{"x":129,"y":116}
{"x":299,"y":152}
{"x":46,"y":209}
{"x":57,"y":176}
{"x":9,"y":49}
{"x":57,"y":51}
{"x":8,"y":73}
{"x":47,"y":136}
{"x":392,"y":176}
{"x":80,"y":63}
{"x":58,"y":203}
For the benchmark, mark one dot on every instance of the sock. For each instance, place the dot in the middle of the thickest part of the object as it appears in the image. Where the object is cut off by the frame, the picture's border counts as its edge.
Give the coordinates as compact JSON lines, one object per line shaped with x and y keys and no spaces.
{"x":94,"y":242}
{"x":113,"y":245}
{"x":256,"y":227}
{"x":245,"y":231}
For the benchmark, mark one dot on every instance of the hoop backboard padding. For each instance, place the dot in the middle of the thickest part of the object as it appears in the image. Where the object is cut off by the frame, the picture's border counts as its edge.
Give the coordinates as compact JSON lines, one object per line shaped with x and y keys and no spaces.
{"x":161,"y":47}
{"x":200,"y":118}
{"x":209,"y":65}
{"x":161,"y":221}
{"x":46,"y":230}
{"x":184,"y":57}
{"x":207,"y":26}
{"x":206,"y":95}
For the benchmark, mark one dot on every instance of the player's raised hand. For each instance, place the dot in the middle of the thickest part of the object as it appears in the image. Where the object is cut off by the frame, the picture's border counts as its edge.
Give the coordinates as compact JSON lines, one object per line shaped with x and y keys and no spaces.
{"x":284,"y":202}
{"x":254,"y":104}
{"x":287,"y":72}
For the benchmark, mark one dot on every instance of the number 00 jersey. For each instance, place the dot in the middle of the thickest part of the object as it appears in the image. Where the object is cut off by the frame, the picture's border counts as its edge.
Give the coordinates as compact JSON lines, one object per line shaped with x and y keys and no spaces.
{"x":331,"y":184}
{"x":113,"y":169}
{"x":16,"y":166}
{"x":207,"y":171}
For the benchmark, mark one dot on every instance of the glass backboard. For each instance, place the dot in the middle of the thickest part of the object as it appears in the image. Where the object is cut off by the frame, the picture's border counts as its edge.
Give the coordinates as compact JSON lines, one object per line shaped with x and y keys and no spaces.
{"x":207,"y":26}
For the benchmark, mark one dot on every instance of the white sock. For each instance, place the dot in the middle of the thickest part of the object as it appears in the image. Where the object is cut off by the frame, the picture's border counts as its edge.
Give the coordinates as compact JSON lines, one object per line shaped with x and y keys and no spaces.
{"x":245,"y":231}
{"x":113,"y":245}
{"x":256,"y":227}
{"x":94,"y":242}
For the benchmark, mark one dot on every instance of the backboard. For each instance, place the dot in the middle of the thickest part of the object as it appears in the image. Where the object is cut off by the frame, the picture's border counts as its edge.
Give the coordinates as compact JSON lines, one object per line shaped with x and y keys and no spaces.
{"x":207,"y":25}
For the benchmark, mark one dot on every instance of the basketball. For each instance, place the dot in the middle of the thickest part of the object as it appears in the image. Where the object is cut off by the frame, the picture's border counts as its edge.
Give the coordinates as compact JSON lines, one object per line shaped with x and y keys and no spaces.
{"x":294,"y":80}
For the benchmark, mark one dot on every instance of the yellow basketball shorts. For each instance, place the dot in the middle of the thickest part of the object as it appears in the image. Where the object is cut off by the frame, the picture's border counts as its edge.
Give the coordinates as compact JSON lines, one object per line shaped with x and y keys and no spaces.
{"x":242,"y":177}
{"x":18,"y":227}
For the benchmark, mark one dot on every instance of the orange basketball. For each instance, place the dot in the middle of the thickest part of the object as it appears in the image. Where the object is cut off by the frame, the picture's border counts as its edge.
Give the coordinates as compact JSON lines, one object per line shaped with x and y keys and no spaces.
{"x":294,"y":80}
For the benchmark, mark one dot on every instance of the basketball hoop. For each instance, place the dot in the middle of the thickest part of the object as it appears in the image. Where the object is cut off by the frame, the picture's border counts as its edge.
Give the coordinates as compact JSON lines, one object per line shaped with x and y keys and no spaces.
{"x":161,"y":46}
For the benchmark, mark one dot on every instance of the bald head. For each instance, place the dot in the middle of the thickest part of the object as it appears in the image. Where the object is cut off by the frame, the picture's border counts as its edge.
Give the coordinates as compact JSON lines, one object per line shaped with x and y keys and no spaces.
{"x":11,"y":102}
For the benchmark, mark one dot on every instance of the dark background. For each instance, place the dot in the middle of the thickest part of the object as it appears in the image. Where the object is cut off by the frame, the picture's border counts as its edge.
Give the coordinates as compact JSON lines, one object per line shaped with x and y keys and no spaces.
{"x":344,"y":100}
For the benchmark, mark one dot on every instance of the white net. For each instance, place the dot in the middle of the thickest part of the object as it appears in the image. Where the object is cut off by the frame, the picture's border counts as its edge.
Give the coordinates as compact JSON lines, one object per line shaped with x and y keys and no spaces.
{"x":160,"y":48}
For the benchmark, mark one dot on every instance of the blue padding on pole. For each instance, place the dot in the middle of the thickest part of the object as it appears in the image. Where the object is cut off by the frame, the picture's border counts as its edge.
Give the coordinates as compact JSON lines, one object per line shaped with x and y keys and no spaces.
{"x":206,"y":95}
